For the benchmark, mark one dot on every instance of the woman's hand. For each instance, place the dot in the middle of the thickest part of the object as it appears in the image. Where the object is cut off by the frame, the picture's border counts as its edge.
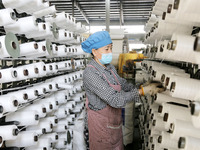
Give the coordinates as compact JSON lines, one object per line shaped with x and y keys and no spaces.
{"x":151,"y":88}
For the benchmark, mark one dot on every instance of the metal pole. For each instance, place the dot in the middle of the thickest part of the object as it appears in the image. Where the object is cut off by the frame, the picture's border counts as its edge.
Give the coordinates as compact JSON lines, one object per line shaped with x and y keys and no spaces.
{"x":121,"y":14}
{"x":72,"y":8}
{"x":107,"y":15}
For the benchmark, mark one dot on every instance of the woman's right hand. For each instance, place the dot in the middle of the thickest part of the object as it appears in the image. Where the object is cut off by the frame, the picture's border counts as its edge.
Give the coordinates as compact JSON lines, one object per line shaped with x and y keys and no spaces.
{"x":152,"y":88}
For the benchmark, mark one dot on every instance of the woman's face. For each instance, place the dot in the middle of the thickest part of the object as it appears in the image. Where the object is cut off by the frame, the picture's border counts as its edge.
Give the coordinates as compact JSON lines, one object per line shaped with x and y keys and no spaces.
{"x":103,"y":50}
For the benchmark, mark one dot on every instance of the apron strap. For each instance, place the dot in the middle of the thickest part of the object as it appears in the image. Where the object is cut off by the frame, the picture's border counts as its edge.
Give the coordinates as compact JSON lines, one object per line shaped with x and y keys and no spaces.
{"x":115,"y":77}
{"x":105,"y":75}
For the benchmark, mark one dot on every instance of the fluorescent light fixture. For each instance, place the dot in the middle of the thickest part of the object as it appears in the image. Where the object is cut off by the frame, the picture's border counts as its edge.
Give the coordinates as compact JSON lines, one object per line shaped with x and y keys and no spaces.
{"x":134,"y":29}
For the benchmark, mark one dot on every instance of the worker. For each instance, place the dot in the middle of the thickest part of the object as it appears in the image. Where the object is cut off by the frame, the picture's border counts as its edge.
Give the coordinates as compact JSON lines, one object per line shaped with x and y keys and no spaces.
{"x":106,"y":94}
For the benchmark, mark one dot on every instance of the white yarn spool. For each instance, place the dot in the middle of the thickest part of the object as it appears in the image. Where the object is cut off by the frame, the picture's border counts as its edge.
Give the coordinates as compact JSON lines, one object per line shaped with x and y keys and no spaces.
{"x":79,"y":63}
{"x":54,"y":86}
{"x":45,"y":48}
{"x":176,"y":110}
{"x":9,"y":46}
{"x":70,"y":35}
{"x":79,"y":86}
{"x":54,"y":50}
{"x":61,"y":143}
{"x":47,"y":86}
{"x":64,"y":65}
{"x":80,"y":28}
{"x":23,"y":95}
{"x":168,"y":29}
{"x":40,"y":31}
{"x":53,"y":102}
{"x":8,"y":132}
{"x":79,"y":74}
{"x":65,"y":86}
{"x":24,"y":139}
{"x":78,"y":97}
{"x":21,"y":25}
{"x":28,"y":49}
{"x":70,"y":104}
{"x":196,"y":121}
{"x":78,"y":108}
{"x":71,"y":118}
{"x":183,"y":48}
{"x":51,"y":68}
{"x":153,"y":107}
{"x":63,"y":20}
{"x":33,"y":70}
{"x":62,"y":51}
{"x":67,"y":110}
{"x":33,"y":6}
{"x":180,"y":114}
{"x":61,"y":113}
{"x":156,"y":146}
{"x":153,"y":131}
{"x":70,"y":78}
{"x":60,"y":79}
{"x":64,"y":121}
{"x":67,"y":136}
{"x":50,"y":18}
{"x":42,"y":144}
{"x":39,"y":90}
{"x":25,"y":118}
{"x":76,"y":40}
{"x":166,"y":141}
{"x":7,"y":75}
{"x":26,"y":71}
{"x":188,"y":143}
{"x":76,"y":27}
{"x":153,"y":139}
{"x":182,"y":128}
{"x":160,"y":125}
{"x":185,"y":88}
{"x":27,"y":94}
{"x":62,"y":36}
{"x":60,"y":128}
{"x":53,"y":119}
{"x":79,"y":50}
{"x":7,"y":16}
{"x":46,"y":33}
{"x":188,"y":7}
{"x":40,"y":108}
{"x":60,"y":96}
{"x":76,"y":76}
{"x":53,"y":136}
{"x":70,"y":51}
{"x":169,"y":78}
{"x":41,"y":69}
{"x":165,"y":97}
{"x":44,"y":12}
{"x":22,"y":73}
{"x":8,"y":103}
{"x":48,"y":106}
{"x":43,"y":124}
{"x":14,"y":3}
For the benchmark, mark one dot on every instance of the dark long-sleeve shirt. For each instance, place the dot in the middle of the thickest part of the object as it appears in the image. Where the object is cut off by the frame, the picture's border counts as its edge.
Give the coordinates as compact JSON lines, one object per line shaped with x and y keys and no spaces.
{"x":99,"y":92}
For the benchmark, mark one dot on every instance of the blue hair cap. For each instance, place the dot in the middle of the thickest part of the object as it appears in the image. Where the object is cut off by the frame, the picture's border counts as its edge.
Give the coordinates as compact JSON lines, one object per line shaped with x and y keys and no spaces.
{"x":95,"y":41}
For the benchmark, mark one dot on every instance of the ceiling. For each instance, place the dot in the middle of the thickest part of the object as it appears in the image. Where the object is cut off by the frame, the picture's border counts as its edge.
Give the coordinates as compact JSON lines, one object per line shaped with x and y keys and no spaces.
{"x":130,"y":12}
